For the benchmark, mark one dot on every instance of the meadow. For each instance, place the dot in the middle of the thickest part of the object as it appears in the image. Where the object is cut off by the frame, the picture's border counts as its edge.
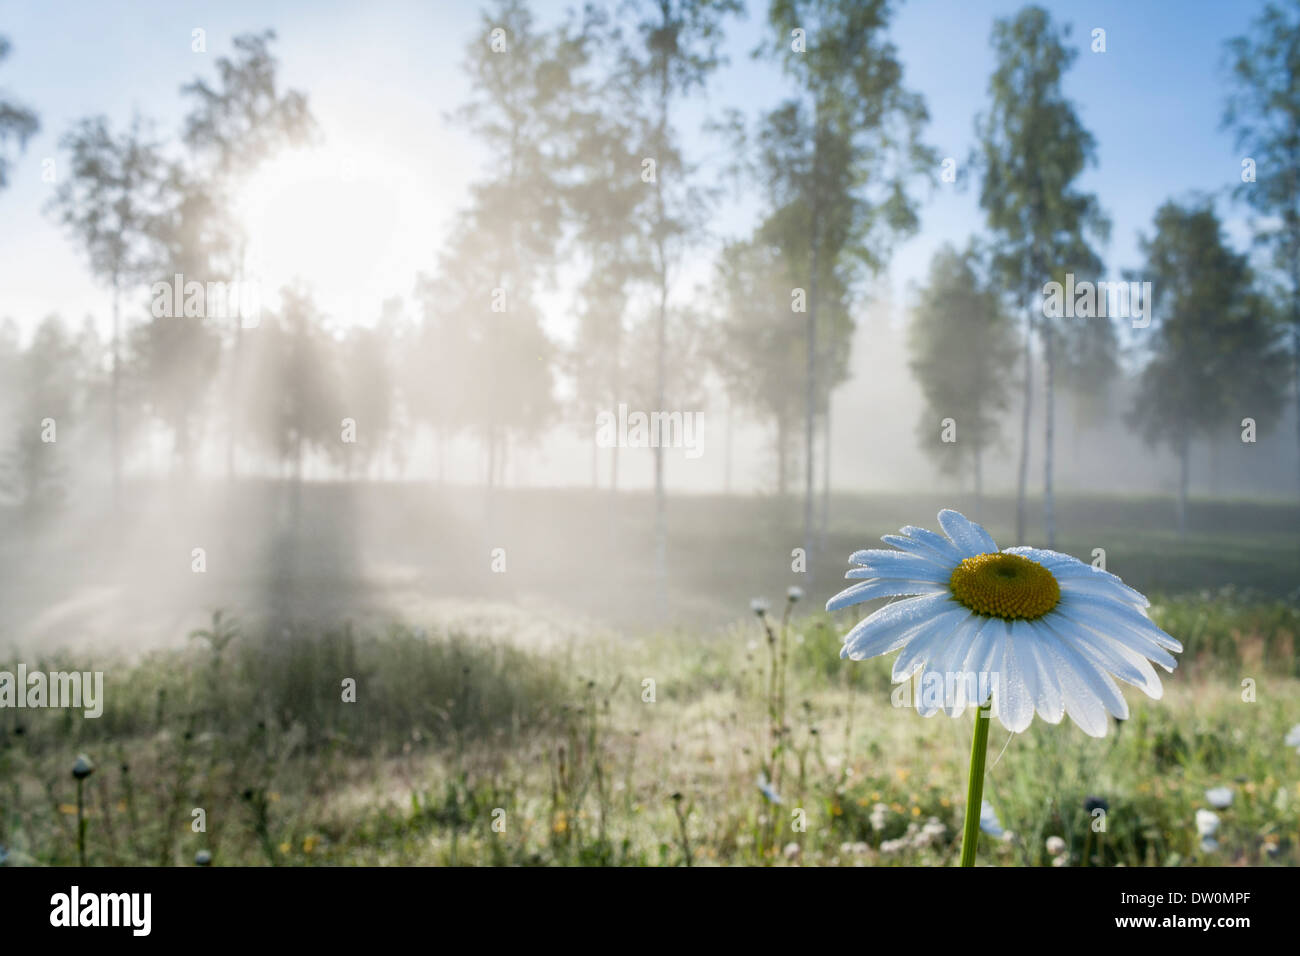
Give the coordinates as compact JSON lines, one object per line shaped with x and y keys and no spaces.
{"x":747,"y":742}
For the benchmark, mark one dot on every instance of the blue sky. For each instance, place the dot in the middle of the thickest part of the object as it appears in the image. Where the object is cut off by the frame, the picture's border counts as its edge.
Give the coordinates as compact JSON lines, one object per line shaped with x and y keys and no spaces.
{"x":381,"y":75}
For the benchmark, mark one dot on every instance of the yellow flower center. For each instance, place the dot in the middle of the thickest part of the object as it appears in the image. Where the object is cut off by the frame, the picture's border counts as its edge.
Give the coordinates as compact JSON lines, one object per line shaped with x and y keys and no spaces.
{"x":1008,"y":586}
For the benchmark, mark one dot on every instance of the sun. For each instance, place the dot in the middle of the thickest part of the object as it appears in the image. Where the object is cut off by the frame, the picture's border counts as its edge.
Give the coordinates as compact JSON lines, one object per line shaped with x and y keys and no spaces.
{"x":346,"y":223}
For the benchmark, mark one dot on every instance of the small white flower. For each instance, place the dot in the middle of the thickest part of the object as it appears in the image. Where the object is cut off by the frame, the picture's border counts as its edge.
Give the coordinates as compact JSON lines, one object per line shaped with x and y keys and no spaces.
{"x":893,"y":846}
{"x":758,"y":606}
{"x":1207,"y":823}
{"x":1293,"y":737}
{"x":933,"y":831}
{"x":1219,"y":797}
{"x":1055,"y":845}
{"x":794,"y":593}
{"x":1037,"y":630}
{"x":1209,"y":844}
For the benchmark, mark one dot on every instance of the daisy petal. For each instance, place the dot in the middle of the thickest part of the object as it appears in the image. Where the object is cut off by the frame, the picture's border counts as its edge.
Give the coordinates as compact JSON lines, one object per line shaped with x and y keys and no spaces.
{"x":891,"y":626}
{"x":1106,"y":654}
{"x":1105,"y":625}
{"x":1085,"y":689}
{"x":922,"y":648}
{"x":878,"y":588}
{"x":1014,"y":701}
{"x":885,"y":563}
{"x":985,"y":655}
{"x":1044,"y":684}
{"x":1133,"y":617}
{"x":966,"y":534}
{"x":1098,"y":679}
{"x":943,"y":682}
{"x":941,"y":547}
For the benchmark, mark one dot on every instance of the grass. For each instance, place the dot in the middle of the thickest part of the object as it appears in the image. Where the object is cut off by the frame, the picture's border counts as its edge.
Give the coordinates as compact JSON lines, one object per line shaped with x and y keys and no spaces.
{"x":461,"y":750}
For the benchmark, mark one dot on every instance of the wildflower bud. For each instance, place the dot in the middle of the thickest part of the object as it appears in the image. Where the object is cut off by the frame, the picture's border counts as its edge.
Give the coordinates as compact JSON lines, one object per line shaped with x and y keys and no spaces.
{"x":1055,"y":845}
{"x":794,"y":593}
{"x":203,"y":858}
{"x":758,"y":606}
{"x":83,"y":768}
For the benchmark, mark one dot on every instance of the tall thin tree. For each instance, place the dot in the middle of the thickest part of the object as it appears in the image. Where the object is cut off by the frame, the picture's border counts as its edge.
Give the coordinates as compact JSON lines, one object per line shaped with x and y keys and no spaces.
{"x":1264,"y":113}
{"x":675,"y":50}
{"x":1032,"y":148}
{"x":233,"y":127}
{"x":1214,"y":355}
{"x":842,"y":158}
{"x":111,"y":200}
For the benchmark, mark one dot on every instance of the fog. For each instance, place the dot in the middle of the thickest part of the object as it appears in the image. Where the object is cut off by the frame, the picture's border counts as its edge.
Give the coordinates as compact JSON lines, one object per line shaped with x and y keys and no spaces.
{"x":468,"y":442}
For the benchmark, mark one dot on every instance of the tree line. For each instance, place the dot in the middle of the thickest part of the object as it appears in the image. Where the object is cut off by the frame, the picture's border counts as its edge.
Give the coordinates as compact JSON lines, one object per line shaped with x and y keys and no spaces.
{"x":591,"y":170}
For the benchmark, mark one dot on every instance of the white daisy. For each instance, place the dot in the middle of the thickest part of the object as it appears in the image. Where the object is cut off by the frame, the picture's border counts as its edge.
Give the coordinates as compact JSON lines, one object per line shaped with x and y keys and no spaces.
{"x":1025,"y":629}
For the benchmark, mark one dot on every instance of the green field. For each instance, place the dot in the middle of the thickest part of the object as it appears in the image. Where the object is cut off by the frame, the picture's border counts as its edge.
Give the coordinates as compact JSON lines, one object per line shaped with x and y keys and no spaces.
{"x":456,"y":729}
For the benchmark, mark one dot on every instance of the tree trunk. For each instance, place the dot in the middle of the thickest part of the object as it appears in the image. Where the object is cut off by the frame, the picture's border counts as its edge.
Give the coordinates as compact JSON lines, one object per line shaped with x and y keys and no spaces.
{"x":810,"y":396}
{"x":1027,"y":400}
{"x":114,"y":433}
{"x":235,"y":364}
{"x":826,"y":476}
{"x":661,"y":347}
{"x":782,"y":482}
{"x":1184,"y":470}
{"x":661,"y":506}
{"x":1295,"y":350}
{"x":726,"y":453}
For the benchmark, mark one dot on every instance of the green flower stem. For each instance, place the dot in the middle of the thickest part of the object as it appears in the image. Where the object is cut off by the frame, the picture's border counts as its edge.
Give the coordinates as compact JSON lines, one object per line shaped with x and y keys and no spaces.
{"x":81,"y":825}
{"x":975,"y":788}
